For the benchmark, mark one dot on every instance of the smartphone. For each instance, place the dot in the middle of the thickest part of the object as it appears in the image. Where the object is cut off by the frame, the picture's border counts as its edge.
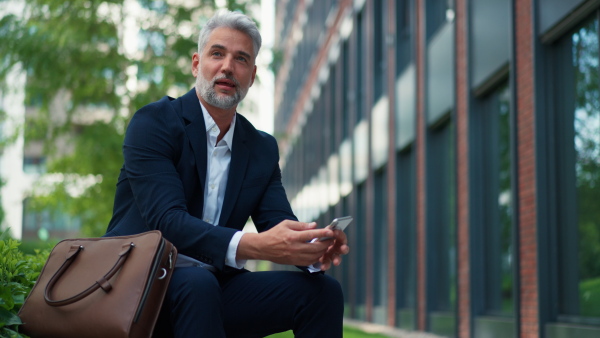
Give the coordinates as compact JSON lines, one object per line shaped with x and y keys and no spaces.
{"x":339,"y":223}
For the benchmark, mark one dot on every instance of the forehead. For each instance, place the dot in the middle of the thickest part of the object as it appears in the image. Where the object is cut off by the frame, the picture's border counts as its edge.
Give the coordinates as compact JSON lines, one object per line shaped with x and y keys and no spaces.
{"x":230,"y":39}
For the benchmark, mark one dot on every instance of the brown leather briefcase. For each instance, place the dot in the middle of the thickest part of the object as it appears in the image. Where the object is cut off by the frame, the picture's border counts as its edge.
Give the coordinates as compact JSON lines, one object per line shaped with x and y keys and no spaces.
{"x":100,"y":287}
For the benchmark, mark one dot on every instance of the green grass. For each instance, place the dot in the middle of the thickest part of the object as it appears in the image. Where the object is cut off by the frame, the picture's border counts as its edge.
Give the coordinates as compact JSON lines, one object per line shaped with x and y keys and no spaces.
{"x":349,"y":332}
{"x":589,"y":295}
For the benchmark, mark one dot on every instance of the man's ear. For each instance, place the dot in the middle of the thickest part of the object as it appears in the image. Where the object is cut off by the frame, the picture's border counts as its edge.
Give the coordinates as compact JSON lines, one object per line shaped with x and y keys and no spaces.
{"x":253,"y":76}
{"x":195,"y":64}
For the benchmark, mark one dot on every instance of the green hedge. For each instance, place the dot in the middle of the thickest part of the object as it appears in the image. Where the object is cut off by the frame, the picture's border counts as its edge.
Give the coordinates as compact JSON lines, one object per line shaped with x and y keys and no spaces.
{"x":18,"y":273}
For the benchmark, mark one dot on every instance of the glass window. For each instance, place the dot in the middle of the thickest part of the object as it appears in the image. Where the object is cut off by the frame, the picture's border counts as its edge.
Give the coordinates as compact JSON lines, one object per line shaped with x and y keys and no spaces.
{"x":578,"y":128}
{"x":380,"y":234}
{"x":441,"y":219}
{"x":495,"y":223}
{"x":346,"y":279}
{"x":379,"y":48}
{"x":34,"y":164}
{"x":403,"y":35}
{"x":346,"y":94}
{"x":359,"y":61}
{"x":53,"y":220}
{"x":359,"y":259}
{"x":331,"y":110}
{"x":313,"y":138}
{"x":438,"y":13}
{"x":320,"y":119}
{"x":406,"y":258}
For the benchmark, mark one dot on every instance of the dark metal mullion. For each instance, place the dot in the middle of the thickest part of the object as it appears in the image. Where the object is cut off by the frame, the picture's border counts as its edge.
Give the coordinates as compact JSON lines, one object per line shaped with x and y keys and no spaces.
{"x":514,"y":171}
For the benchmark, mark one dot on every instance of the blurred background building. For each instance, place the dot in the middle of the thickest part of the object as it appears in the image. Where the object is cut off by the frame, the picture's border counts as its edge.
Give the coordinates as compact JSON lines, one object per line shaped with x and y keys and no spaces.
{"x":464,"y":138}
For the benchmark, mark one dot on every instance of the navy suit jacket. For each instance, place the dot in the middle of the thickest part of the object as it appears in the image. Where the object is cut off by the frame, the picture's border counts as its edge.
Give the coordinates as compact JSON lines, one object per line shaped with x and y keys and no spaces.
{"x":161,"y":184}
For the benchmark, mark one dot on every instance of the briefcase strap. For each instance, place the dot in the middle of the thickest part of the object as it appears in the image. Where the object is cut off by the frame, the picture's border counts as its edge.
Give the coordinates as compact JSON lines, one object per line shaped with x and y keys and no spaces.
{"x":103,"y":282}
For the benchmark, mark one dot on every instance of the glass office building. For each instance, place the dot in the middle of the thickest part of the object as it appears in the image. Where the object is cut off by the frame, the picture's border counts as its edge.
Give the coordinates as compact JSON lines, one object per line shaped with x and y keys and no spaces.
{"x":464,"y":138}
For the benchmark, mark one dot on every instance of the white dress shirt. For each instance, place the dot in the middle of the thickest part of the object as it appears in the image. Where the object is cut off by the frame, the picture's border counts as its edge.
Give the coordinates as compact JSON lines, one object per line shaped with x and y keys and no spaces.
{"x":217,"y":169}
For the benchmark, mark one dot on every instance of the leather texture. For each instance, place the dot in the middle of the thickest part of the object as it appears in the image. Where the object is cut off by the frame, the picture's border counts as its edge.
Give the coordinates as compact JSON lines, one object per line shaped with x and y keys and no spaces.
{"x":101,"y":287}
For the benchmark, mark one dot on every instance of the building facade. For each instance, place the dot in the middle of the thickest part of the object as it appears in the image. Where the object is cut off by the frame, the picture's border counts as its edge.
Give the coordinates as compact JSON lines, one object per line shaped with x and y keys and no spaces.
{"x":464,"y":138}
{"x":15,"y":181}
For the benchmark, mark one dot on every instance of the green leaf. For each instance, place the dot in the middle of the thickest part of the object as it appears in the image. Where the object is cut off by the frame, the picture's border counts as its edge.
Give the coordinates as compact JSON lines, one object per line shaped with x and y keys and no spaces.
{"x":8,"y":318}
{"x":7,"y":298}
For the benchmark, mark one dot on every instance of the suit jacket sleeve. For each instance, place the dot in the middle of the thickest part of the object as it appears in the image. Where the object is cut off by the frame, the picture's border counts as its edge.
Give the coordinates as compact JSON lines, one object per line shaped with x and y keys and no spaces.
{"x":273,"y":206}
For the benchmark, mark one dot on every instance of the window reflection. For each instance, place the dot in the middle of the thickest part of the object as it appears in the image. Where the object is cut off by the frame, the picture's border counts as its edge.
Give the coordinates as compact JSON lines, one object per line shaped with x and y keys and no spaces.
{"x":498,"y":213}
{"x":504,"y":204}
{"x":406,"y":259}
{"x":586,"y":124}
{"x":442,"y":199}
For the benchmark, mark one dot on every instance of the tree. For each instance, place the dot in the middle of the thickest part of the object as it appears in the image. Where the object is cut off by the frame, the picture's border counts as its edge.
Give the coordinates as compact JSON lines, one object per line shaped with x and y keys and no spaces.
{"x":80,"y":61}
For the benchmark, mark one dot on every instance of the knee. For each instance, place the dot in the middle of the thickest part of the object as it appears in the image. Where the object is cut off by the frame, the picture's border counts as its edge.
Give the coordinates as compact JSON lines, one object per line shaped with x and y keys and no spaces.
{"x":194,"y":283}
{"x":327,"y":301}
{"x":332,"y":291}
{"x":193,"y":303}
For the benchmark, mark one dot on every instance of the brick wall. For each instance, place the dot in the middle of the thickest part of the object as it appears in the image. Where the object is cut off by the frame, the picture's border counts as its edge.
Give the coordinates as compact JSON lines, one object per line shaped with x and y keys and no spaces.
{"x":391,"y":170}
{"x":524,"y":71}
{"x":421,"y":170}
{"x":462,"y":179}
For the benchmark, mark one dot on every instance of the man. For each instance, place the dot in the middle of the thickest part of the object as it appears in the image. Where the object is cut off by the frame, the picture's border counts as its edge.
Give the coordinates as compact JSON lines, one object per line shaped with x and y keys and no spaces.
{"x":196,"y":170}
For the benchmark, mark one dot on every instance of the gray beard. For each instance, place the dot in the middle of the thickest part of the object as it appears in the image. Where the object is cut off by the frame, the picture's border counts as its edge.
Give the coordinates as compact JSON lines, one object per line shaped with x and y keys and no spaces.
{"x":207,"y":91}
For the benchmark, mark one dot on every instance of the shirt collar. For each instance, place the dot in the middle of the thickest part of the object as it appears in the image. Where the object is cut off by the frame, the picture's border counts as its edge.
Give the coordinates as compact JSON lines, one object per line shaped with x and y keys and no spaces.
{"x":210,"y":123}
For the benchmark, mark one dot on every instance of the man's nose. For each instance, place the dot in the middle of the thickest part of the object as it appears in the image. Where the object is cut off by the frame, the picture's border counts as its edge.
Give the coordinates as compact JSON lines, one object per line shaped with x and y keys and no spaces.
{"x":227,"y":65}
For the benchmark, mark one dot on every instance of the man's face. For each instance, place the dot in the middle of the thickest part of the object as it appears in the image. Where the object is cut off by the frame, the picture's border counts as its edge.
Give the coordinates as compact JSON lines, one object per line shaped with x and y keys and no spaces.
{"x":225,"y":69}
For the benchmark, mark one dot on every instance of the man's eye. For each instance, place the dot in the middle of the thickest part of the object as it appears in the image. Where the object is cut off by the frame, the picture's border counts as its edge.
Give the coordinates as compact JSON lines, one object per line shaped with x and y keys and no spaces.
{"x":217,"y":53}
{"x":241,"y":58}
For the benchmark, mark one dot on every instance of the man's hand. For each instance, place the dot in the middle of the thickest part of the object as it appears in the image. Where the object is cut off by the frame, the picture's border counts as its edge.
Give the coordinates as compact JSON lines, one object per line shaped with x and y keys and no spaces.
{"x":289,"y":243}
{"x":338,"y":246}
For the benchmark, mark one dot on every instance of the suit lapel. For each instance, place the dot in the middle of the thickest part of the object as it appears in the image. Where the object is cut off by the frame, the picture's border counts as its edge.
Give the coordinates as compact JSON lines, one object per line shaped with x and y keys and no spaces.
{"x":196,"y":133}
{"x":237,"y":170}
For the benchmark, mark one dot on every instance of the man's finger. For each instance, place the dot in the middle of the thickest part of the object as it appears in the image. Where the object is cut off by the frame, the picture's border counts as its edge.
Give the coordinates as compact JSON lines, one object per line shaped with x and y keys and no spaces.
{"x":300,"y":226}
{"x":341,"y":237}
{"x":309,"y":235}
{"x":344,"y":249}
{"x":337,"y":260}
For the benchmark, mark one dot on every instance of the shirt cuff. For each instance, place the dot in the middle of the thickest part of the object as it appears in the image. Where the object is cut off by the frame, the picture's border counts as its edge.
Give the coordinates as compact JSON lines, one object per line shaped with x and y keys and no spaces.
{"x":316,"y":267}
{"x":230,"y":259}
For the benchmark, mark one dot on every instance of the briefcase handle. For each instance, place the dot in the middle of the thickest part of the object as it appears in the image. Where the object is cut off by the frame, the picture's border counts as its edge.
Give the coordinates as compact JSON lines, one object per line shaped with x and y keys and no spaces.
{"x":103,"y":282}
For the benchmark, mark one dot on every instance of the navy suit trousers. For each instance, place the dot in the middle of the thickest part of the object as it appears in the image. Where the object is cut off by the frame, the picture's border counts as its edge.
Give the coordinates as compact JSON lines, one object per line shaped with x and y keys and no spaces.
{"x":239,"y":303}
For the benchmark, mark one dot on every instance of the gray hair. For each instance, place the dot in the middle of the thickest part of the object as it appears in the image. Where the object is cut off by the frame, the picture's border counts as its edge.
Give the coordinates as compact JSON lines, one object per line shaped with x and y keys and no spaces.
{"x":233,"y":20}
